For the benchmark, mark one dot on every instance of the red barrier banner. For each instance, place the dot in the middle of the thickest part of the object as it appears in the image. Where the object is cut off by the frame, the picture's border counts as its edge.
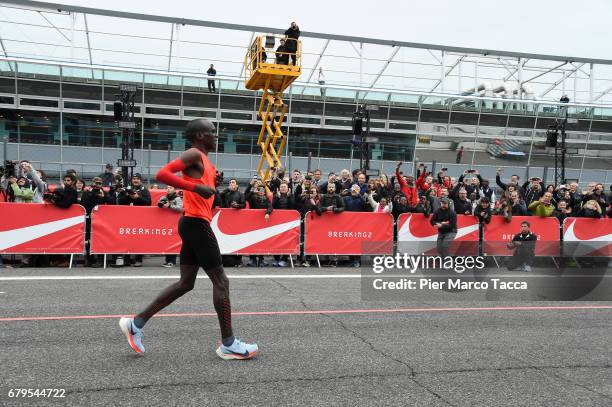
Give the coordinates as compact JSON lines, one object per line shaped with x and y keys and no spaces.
{"x":148,"y":230}
{"x":246,"y":231}
{"x":415,"y":235}
{"x":587,"y":237}
{"x":348,"y":233}
{"x":498,"y":233}
{"x":29,"y":228}
{"x":134,"y":230}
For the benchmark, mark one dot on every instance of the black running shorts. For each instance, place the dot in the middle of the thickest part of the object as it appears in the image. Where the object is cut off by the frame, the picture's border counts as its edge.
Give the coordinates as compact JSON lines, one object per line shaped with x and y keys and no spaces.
{"x":200,"y":247}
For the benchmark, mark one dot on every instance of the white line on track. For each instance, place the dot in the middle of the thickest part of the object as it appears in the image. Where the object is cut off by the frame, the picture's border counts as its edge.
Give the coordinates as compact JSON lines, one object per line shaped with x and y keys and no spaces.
{"x":261,"y":276}
{"x":173,"y":277}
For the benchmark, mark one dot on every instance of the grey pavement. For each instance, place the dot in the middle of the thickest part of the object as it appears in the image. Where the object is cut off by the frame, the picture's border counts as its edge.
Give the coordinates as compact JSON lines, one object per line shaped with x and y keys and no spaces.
{"x":555,"y":357}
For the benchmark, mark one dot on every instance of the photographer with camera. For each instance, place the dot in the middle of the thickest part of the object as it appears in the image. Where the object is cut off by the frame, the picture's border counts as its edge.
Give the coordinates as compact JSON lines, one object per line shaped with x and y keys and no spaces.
{"x":307,"y":200}
{"x":18,"y":191}
{"x":65,"y":196}
{"x":173,"y":201}
{"x":134,"y":194}
{"x":258,"y":200}
{"x":62,"y":198}
{"x":93,"y":196}
{"x":282,"y":199}
{"x":38,"y":181}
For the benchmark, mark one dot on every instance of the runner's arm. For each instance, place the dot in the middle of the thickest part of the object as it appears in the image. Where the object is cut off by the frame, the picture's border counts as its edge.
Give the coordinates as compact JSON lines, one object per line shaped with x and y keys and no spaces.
{"x":167,"y":175}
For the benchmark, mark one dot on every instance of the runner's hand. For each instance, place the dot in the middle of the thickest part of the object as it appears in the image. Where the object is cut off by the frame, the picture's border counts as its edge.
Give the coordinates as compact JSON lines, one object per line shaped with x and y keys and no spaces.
{"x":204,"y":191}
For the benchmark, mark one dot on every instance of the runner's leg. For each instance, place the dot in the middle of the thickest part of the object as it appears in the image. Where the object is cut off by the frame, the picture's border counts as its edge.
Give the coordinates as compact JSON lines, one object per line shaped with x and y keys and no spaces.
{"x":189,"y":232}
{"x":169,"y":294}
{"x":221,"y":300}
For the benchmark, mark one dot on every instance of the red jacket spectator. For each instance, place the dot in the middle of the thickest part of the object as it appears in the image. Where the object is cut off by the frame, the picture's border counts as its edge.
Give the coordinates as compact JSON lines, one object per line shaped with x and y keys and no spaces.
{"x":410,"y":191}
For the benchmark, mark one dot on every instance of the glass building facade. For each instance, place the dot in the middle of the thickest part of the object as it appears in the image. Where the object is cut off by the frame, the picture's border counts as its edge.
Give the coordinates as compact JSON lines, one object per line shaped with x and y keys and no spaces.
{"x":70,"y":106}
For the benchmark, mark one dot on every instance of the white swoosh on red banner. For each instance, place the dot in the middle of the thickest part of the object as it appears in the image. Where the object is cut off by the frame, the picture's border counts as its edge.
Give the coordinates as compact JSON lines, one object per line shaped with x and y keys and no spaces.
{"x":595,"y":244}
{"x":405,"y":234}
{"x":234,"y":243}
{"x":570,"y":236}
{"x":14,"y":237}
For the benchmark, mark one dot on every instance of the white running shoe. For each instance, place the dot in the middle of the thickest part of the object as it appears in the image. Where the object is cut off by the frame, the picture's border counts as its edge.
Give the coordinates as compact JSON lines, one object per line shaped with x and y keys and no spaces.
{"x":133,"y":334}
{"x":238,"y":350}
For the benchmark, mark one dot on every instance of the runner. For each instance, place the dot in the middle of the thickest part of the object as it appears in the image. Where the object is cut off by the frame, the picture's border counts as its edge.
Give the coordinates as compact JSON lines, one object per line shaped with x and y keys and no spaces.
{"x":200,"y":248}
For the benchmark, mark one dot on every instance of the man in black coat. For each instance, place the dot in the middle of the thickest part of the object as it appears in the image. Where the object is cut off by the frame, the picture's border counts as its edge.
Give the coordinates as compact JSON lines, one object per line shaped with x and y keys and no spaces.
{"x":282,"y":56}
{"x":445,"y":220}
{"x":524,"y":245}
{"x":332,"y":202}
{"x":232,"y":197}
{"x":292,"y":33}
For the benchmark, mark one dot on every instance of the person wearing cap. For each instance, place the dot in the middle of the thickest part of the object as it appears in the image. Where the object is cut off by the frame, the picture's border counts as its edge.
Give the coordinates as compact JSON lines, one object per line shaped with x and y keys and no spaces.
{"x":445,"y":220}
{"x":108,"y":178}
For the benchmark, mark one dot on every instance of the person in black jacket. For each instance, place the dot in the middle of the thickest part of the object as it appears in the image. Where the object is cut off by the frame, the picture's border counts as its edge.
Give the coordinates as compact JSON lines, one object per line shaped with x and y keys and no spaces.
{"x":134,"y":194}
{"x":231,"y":197}
{"x":91,"y":198}
{"x":399,"y":207}
{"x":524,"y":245}
{"x":258,"y":200}
{"x":445,"y":220}
{"x":562,"y":211}
{"x":462,"y":205}
{"x":212,"y":72}
{"x":308,"y":201}
{"x":108,"y":178}
{"x":514,"y":179}
{"x":332,"y":202}
{"x":423,"y":206}
{"x":282,"y":56}
{"x":331,"y":178}
{"x":483,"y":210}
{"x":282,"y":200}
{"x":63,"y":198}
{"x":293,"y":33}
{"x":66,"y":196}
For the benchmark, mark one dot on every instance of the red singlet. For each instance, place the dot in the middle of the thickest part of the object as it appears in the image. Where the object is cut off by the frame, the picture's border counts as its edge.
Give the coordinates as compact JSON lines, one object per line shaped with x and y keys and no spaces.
{"x":194,"y":205}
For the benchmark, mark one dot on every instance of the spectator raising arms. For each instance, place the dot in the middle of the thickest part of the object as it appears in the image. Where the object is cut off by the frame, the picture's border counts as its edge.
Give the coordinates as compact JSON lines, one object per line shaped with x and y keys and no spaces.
{"x":407,"y":187}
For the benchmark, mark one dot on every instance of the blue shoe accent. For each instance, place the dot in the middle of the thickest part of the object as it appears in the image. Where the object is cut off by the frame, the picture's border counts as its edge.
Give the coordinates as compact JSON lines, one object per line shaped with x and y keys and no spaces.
{"x":133,"y":334}
{"x":238,"y":350}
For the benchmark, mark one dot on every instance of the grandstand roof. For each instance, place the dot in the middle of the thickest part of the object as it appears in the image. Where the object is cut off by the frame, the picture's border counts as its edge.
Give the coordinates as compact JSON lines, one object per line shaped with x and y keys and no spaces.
{"x":66,"y":33}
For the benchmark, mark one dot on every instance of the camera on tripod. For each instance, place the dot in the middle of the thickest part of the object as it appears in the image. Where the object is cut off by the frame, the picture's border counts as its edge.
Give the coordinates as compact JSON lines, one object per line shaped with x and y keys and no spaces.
{"x":9,"y":168}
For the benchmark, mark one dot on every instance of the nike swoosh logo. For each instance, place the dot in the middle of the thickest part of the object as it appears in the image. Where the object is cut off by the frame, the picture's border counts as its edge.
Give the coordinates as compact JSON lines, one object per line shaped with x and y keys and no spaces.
{"x":234,"y":243}
{"x":570,"y":236}
{"x":405,"y":234}
{"x":583,"y":247}
{"x":15,"y":237}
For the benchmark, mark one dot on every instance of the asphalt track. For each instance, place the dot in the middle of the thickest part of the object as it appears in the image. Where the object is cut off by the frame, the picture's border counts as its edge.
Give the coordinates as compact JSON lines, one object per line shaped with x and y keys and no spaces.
{"x":321,"y":344}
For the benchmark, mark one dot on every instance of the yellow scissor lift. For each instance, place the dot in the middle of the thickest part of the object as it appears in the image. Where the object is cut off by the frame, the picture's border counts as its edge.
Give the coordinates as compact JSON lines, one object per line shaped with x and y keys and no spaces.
{"x":265,"y":70}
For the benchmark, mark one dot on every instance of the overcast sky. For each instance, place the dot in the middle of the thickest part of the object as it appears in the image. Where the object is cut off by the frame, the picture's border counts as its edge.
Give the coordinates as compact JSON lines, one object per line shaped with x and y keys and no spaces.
{"x":558,"y":27}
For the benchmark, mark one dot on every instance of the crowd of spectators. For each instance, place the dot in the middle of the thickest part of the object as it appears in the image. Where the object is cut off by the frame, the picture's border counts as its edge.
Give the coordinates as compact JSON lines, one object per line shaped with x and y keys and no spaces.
{"x":425,"y":192}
